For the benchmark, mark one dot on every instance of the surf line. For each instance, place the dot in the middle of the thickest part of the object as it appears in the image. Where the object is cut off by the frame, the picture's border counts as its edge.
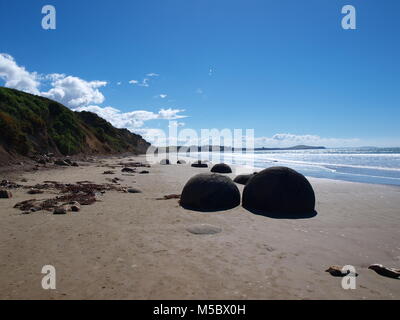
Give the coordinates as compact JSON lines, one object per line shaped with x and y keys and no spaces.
{"x":164,"y":310}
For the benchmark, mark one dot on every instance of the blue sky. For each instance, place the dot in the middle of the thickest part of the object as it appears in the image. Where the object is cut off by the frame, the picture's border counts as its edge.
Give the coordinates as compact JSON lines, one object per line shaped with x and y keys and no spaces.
{"x":279,"y":67}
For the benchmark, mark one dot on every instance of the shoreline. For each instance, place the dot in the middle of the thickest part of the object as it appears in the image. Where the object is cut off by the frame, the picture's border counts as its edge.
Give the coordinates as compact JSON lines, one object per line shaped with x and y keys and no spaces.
{"x":15,"y":170}
{"x":132,"y":246}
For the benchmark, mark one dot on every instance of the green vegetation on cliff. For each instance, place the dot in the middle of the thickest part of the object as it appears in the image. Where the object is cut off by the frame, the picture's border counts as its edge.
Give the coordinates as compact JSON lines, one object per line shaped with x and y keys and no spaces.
{"x":31,"y":124}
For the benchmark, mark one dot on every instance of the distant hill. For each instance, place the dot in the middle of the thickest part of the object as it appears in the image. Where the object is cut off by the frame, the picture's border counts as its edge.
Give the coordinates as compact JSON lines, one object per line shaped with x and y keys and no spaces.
{"x":32,"y":124}
{"x":299,"y":147}
{"x":227,"y":149}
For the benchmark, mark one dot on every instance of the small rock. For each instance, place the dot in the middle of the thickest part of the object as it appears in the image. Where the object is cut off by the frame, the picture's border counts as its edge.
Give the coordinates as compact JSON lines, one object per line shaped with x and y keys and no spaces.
{"x":5,"y":194}
{"x":109,"y":172}
{"x":4,"y":183}
{"x":60,"y":210}
{"x":61,"y":163}
{"x":385,"y":271}
{"x":199,"y":164}
{"x":75,"y":164}
{"x":134,"y":190}
{"x":181,"y":162}
{"x":170,"y":196}
{"x":338,"y":271}
{"x":75,"y":206}
{"x":35,"y":191}
{"x":126,"y":169}
{"x":144,"y":172}
{"x":165,"y":162}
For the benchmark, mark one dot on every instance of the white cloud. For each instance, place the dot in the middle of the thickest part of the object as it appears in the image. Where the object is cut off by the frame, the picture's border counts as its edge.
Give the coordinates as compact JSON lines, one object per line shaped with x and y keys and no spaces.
{"x":176,"y":124}
{"x":162,"y":96}
{"x":119,"y":83}
{"x":54,"y":76}
{"x":132,"y":120}
{"x":16,"y":76}
{"x":145,"y":81}
{"x":73,"y":91}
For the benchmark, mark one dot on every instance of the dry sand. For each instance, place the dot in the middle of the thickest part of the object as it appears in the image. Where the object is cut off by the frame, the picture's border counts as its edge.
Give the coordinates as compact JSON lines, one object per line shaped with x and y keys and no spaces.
{"x":131,"y":246}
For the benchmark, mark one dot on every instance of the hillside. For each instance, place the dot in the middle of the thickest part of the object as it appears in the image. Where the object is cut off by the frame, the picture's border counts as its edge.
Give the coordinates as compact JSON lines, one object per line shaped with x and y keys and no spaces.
{"x":32,"y":124}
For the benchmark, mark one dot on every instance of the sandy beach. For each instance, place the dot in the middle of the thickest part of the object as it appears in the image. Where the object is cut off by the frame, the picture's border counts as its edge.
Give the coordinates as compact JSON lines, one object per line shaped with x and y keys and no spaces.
{"x":133,"y":246}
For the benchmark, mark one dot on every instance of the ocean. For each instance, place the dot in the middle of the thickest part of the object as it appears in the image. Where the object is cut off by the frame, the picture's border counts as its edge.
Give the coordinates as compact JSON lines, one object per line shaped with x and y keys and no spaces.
{"x":367,"y":165}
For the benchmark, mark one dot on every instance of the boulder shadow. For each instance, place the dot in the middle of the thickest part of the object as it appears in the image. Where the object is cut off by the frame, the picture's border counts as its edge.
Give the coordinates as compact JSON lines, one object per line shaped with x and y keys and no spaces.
{"x":283,"y":215}
{"x":205,"y":210}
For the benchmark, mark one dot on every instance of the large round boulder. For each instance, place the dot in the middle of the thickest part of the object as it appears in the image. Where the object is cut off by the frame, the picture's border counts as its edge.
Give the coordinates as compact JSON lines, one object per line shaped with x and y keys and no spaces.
{"x":279,"y":190}
{"x":221,"y":168}
{"x":244,"y":178}
{"x":210,"y":192}
{"x":199,"y":164}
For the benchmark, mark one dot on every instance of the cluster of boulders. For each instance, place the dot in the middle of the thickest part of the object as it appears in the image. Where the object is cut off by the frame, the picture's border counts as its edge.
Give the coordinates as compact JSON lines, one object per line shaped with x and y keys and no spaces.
{"x":49,"y":158}
{"x":277,"y":190}
{"x":167,"y":162}
{"x":43,"y":158}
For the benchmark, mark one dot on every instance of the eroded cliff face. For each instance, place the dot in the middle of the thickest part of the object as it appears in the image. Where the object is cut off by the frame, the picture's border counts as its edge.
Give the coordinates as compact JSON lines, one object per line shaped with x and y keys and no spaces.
{"x":32,"y":124}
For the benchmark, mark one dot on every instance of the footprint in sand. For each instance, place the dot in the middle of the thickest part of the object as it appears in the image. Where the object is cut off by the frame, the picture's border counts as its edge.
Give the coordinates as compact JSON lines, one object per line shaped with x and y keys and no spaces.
{"x":203,"y":229}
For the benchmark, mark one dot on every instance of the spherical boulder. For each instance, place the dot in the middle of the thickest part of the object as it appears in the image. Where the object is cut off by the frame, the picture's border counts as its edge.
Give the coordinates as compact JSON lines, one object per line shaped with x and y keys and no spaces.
{"x":279,"y":190}
{"x":165,"y":161}
{"x":199,"y":164}
{"x":244,"y":178}
{"x":210,"y":192}
{"x":221,"y":168}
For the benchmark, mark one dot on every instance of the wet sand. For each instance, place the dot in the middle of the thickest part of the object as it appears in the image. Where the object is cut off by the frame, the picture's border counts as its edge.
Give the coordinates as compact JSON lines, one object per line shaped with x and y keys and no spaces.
{"x":132,"y":246}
